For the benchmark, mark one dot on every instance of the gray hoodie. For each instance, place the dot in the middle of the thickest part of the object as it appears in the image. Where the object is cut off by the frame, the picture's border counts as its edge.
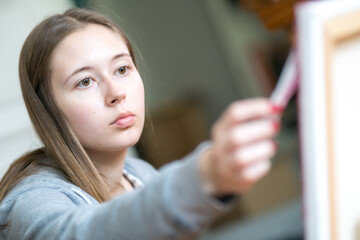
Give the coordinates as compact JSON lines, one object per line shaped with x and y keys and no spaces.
{"x":170,"y":205}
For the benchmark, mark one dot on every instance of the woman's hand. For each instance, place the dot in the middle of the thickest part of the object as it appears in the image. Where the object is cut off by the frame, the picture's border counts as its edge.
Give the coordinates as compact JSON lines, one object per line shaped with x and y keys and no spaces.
{"x":242,"y":145}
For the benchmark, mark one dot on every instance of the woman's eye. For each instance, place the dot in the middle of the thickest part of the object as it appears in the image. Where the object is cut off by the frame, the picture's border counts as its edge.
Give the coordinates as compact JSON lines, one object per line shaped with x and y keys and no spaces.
{"x":122,"y":70}
{"x":85,"y":82}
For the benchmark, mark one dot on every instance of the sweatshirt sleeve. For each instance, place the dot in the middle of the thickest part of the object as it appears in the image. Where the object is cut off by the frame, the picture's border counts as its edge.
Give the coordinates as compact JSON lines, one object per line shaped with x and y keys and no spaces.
{"x":171,"y":206}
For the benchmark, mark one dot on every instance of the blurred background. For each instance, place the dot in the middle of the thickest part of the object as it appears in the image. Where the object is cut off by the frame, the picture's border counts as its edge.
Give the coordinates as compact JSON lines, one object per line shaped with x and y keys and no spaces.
{"x":195,"y":58}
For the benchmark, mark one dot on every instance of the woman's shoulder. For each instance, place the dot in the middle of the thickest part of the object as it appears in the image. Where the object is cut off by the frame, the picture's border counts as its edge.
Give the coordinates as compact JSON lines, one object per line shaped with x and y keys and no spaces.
{"x":45,"y":177}
{"x":45,"y":181}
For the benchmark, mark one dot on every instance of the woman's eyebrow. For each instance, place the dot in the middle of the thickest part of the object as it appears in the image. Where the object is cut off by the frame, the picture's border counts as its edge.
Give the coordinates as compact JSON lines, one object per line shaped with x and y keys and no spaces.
{"x":120,"y":55}
{"x":77,"y":71}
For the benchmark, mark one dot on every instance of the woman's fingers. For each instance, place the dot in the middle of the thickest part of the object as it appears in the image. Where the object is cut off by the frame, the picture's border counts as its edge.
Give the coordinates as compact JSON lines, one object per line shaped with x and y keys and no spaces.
{"x":249,"y":164}
{"x":251,"y":174}
{"x":249,"y":155}
{"x":246,"y":133}
{"x":245,"y":122}
{"x":255,"y":171}
{"x":242,"y":146}
{"x":246,"y":110}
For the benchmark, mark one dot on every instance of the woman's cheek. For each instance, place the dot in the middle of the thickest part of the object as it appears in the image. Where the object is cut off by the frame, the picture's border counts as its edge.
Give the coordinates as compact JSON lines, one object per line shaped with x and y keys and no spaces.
{"x":84,"y":119}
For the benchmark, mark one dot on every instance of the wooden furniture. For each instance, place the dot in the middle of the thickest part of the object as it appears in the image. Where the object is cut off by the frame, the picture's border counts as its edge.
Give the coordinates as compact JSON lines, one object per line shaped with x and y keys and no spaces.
{"x":274,"y":13}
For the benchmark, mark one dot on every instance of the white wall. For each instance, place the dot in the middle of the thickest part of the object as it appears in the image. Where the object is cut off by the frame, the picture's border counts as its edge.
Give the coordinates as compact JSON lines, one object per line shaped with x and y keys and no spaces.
{"x":17,"y":18}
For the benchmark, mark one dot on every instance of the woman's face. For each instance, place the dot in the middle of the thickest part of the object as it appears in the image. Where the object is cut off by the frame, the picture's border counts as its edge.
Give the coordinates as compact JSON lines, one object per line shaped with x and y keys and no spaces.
{"x":98,"y":88}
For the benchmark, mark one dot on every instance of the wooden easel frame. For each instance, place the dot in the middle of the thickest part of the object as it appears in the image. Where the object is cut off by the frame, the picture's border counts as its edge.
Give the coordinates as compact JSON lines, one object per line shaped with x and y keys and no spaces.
{"x":322,"y":27}
{"x":336,"y":31}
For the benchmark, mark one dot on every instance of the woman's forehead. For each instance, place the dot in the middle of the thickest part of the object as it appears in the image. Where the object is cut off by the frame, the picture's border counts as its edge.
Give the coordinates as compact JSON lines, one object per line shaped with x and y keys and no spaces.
{"x":87,"y":46}
{"x":91,"y":38}
{"x":91,"y":43}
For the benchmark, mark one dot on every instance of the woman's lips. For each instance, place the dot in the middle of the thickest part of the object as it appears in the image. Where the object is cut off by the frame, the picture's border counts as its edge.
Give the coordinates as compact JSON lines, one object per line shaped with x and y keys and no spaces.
{"x":124,"y":120}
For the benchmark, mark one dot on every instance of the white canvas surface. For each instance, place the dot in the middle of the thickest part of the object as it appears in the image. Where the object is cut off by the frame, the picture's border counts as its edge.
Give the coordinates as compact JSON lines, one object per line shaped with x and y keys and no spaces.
{"x":346,"y":87}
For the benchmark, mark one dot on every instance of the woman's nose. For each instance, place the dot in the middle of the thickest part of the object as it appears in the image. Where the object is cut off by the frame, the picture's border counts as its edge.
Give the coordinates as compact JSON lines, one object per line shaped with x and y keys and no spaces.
{"x":115,"y":93}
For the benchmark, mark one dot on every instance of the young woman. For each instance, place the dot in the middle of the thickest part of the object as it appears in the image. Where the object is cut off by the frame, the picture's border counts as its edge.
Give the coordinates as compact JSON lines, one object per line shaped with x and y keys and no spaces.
{"x":85,"y":98}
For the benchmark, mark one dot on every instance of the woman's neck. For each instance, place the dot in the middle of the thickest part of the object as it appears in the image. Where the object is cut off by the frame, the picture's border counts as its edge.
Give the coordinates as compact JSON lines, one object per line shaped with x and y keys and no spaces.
{"x":110,"y":166}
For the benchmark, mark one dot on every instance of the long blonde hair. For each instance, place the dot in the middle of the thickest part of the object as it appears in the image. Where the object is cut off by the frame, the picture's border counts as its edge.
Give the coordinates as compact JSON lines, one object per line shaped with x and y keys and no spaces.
{"x":62,"y":149}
